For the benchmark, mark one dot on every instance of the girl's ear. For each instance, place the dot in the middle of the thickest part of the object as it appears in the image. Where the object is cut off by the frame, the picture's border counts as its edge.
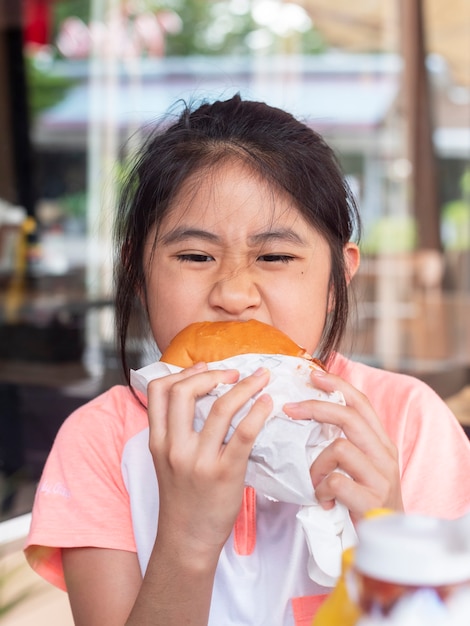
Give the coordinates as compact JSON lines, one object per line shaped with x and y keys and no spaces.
{"x":352,"y":259}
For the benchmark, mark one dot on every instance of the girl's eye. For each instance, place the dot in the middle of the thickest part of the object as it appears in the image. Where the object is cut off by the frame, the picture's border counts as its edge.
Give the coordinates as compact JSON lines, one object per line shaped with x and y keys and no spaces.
{"x":276,"y":258}
{"x":194,"y":258}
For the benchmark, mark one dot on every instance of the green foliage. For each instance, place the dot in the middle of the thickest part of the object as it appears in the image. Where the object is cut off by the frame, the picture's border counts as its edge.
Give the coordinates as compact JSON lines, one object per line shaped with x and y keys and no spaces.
{"x":391,"y":234}
{"x":74,"y":204}
{"x":208,"y":27}
{"x":456,"y":218}
{"x":69,"y":8}
{"x":45,"y":90}
{"x":465,"y":184}
{"x":216,"y":27}
{"x":456,"y":225}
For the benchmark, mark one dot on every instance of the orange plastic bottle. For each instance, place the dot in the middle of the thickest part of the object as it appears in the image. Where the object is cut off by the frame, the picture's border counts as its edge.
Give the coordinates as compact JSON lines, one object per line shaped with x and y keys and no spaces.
{"x":340,"y":609}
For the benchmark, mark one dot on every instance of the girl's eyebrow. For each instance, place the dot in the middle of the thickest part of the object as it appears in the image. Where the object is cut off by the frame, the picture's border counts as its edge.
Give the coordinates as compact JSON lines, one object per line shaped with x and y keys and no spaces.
{"x":178,"y":235}
{"x":182,"y":234}
{"x":281,"y":234}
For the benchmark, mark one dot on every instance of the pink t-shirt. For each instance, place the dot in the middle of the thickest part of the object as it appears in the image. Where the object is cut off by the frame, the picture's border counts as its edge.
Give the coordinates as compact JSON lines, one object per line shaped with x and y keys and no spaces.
{"x":99,"y":488}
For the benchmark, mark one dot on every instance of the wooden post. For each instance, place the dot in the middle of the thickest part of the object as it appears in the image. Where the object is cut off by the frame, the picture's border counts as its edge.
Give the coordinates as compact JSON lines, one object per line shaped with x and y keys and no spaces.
{"x":424,"y":194}
{"x":9,"y":18}
{"x":15,"y":99}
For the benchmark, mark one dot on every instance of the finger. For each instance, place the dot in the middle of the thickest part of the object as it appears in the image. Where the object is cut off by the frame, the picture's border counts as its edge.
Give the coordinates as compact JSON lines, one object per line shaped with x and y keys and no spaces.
{"x":342,"y":454}
{"x":353,"y":398}
{"x":357,"y":419}
{"x":224,"y":408}
{"x":164,"y":391}
{"x":182,"y":396}
{"x":243,"y":438}
{"x":157,"y":394}
{"x":339,"y":487}
{"x":356,"y":429}
{"x":379,"y":483}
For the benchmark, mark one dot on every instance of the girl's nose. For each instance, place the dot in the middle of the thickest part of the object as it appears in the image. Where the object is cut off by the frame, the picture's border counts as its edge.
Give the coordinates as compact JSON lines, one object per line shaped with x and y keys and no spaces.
{"x":235,"y":293}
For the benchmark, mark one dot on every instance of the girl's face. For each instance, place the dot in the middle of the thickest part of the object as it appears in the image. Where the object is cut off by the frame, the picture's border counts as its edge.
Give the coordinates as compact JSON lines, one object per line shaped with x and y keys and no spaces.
{"x":234,"y":248}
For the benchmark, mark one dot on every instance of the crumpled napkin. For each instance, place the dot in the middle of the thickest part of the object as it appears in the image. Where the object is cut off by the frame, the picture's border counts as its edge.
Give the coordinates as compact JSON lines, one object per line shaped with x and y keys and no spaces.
{"x":279,"y":464}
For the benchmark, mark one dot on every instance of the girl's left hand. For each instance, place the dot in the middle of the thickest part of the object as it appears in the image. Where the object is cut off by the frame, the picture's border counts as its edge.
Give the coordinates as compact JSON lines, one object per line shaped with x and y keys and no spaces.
{"x":367,"y":455}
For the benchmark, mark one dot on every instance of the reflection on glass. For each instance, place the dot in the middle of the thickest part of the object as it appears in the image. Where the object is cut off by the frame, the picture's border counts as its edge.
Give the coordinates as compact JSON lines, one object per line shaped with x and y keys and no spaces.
{"x":100,"y":73}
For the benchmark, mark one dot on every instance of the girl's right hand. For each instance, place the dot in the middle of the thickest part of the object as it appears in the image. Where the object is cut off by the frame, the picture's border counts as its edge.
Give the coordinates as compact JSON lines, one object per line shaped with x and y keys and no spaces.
{"x":201,"y":479}
{"x":201,"y":482}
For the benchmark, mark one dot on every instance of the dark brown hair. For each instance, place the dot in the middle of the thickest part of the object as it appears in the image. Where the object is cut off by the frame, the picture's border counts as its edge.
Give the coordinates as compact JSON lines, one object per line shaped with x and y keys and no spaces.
{"x":280,"y":148}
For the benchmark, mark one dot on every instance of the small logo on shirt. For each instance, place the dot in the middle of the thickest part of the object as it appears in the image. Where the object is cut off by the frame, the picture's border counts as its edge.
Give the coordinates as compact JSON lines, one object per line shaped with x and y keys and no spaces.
{"x":54,"y":489}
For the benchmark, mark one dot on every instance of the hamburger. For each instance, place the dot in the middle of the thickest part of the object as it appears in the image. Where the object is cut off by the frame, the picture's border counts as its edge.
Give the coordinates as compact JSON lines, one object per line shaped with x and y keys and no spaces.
{"x":284,"y":450}
{"x":216,"y":341}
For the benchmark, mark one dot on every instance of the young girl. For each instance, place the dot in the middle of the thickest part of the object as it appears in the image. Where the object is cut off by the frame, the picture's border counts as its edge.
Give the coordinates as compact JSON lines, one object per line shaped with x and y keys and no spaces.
{"x":236,"y":211}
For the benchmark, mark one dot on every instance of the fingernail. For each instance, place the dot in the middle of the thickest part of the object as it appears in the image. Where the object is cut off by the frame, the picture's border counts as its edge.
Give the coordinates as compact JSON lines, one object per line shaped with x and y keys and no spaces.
{"x":260,"y":371}
{"x":319,"y":373}
{"x":291,"y":405}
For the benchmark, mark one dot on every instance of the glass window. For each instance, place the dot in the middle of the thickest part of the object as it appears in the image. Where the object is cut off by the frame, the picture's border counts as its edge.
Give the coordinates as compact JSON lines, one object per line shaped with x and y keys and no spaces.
{"x":81,"y":83}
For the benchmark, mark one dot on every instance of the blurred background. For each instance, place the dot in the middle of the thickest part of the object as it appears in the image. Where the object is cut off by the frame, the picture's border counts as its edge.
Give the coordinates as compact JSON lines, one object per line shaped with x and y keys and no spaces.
{"x":387,"y":82}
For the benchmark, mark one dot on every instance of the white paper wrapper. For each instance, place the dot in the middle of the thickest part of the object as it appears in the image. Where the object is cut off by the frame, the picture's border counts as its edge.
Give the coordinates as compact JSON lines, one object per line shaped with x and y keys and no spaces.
{"x":279,"y":465}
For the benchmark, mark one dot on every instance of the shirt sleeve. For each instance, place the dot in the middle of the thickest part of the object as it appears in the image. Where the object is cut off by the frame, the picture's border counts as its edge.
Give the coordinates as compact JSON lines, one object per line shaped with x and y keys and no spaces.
{"x":81,"y":499}
{"x":433,"y":449}
{"x":435,"y":453}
